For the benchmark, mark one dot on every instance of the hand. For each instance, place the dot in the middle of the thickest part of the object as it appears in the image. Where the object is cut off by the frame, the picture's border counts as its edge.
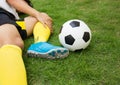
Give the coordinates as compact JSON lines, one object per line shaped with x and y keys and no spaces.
{"x":45,"y":20}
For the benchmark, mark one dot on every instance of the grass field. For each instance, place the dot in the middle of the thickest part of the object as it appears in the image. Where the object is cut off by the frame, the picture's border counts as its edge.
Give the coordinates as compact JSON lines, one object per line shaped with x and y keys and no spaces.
{"x":99,"y":64}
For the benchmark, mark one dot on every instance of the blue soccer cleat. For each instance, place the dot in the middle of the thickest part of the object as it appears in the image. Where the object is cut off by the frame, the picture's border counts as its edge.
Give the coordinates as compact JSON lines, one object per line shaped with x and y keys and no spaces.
{"x":46,"y":50}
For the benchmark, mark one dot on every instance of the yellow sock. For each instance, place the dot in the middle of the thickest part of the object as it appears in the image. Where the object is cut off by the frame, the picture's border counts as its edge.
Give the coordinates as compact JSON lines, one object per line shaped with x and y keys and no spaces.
{"x":12,"y":70}
{"x":41,"y":34}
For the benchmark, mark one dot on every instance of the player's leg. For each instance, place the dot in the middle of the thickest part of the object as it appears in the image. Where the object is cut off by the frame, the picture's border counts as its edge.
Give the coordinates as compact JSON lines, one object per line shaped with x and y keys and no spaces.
{"x":41,"y":35}
{"x":10,"y":35}
{"x":29,"y":24}
{"x":12,"y":70}
{"x":34,"y":27}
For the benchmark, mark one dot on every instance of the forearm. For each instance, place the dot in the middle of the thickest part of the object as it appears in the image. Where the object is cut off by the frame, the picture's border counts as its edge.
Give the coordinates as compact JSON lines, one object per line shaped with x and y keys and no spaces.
{"x":22,"y":6}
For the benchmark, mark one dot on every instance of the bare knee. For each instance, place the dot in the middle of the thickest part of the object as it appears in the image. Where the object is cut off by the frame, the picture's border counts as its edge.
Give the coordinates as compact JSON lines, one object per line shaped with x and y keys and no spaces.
{"x":17,"y":41}
{"x":30,"y":22}
{"x":10,"y":35}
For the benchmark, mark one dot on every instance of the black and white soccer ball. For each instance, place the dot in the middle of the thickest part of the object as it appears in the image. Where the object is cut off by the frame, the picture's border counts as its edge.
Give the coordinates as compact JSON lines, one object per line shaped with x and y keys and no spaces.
{"x":75,"y":35}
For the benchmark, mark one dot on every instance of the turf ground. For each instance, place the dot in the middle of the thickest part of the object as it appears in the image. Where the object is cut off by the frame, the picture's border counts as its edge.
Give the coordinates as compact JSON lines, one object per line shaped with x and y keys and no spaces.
{"x":99,"y":64}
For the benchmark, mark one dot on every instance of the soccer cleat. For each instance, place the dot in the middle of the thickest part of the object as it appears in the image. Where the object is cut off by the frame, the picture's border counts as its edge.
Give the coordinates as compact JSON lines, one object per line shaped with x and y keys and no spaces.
{"x":46,"y":50}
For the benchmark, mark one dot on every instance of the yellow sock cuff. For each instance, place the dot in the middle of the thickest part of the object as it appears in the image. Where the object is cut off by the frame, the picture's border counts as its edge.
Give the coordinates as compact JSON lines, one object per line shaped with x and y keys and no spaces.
{"x":12,"y":70}
{"x":13,"y":47}
{"x":41,"y":34}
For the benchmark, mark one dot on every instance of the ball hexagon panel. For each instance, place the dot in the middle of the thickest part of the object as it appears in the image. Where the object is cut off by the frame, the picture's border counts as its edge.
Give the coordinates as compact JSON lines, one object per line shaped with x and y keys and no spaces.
{"x":86,"y":36}
{"x":75,"y":24}
{"x":69,"y":40}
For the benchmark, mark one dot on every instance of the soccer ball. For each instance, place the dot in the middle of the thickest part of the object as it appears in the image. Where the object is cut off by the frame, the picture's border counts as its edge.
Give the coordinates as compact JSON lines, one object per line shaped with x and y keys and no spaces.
{"x":75,"y":35}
